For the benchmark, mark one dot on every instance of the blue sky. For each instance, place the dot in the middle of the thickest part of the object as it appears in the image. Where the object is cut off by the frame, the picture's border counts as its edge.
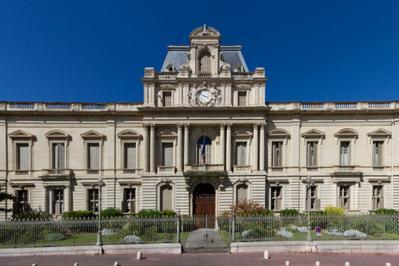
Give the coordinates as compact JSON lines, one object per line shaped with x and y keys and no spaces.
{"x":95,"y":51}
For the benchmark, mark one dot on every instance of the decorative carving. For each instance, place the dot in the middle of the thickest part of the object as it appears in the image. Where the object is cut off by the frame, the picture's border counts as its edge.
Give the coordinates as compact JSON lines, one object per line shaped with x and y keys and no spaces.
{"x":204,"y":90}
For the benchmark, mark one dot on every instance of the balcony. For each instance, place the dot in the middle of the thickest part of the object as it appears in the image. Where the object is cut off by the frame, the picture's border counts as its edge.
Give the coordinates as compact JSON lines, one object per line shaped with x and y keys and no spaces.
{"x":56,"y":174}
{"x":204,"y":170}
{"x":166,"y":169}
{"x":242,"y":168}
{"x":346,"y":173}
{"x":131,"y":171}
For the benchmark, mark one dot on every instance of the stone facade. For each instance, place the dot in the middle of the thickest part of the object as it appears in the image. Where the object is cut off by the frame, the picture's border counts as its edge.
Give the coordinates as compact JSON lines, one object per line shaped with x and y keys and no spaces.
{"x":203,"y":139}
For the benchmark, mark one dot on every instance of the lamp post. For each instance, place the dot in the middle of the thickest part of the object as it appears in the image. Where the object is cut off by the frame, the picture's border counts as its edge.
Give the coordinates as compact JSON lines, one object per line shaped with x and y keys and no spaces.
{"x":99,"y":233}
{"x":308,"y":184}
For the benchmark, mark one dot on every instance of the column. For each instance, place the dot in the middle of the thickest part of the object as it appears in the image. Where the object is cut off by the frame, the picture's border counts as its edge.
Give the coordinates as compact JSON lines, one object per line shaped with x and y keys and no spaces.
{"x":255,"y":141}
{"x":145,"y":149}
{"x":186,"y":141}
{"x":152,"y":148}
{"x":50,"y":199}
{"x":67,"y":199}
{"x":179,"y":148}
{"x":222,"y":145}
{"x":228,"y":148}
{"x":262,"y":148}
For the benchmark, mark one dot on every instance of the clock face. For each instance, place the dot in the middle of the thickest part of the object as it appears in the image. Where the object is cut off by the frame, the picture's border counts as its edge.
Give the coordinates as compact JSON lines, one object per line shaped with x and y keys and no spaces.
{"x":204,"y":96}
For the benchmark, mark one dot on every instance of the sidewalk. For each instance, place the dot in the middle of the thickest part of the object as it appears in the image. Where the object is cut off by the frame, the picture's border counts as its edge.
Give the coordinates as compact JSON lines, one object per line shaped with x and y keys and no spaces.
{"x":206,"y":259}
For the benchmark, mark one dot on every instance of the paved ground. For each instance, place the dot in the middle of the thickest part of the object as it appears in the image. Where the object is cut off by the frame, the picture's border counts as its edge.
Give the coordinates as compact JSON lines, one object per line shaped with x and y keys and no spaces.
{"x":206,"y":259}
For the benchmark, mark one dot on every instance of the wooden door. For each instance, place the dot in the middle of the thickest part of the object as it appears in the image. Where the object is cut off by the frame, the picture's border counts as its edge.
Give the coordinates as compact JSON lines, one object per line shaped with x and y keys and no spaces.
{"x":204,"y":210}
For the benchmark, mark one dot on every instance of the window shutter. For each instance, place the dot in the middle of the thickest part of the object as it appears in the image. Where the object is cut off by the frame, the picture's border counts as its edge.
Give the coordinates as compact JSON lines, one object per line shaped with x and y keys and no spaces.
{"x":317,"y":204}
{"x":130,"y":156}
{"x":278,"y":204}
{"x":167,"y":154}
{"x":94,"y":156}
{"x":23,"y":150}
{"x":58,"y":156}
{"x":166,"y":197}
{"x":315,"y":149}
{"x":242,"y":193}
{"x":125,"y":206}
{"x":241,"y":153}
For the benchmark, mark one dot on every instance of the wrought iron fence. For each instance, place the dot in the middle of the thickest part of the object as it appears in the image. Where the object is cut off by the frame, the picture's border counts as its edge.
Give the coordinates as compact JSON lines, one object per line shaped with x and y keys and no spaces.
{"x":135,"y":230}
{"x":85,"y":232}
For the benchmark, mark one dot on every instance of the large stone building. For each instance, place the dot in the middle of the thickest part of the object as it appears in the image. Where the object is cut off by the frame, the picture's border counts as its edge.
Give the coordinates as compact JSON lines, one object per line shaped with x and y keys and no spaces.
{"x":203,"y":139}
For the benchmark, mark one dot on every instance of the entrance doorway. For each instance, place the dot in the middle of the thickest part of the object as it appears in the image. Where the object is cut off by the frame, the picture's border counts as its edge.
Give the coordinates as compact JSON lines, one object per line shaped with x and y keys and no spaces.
{"x":204,"y":205}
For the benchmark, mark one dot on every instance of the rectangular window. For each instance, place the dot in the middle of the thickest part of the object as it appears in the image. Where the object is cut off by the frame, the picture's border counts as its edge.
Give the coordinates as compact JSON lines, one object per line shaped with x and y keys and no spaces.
{"x":167,"y":98}
{"x":344,"y":197}
{"x":129,"y":156}
{"x":276,"y":198}
{"x":345,"y":153}
{"x":377,"y":153}
{"x":312,"y":201}
{"x":22,"y":157}
{"x":378,"y":197}
{"x":58,"y":156}
{"x":57,"y":201}
{"x":93,"y":156}
{"x":242,"y":98}
{"x":21,"y":204}
{"x":241,"y":153}
{"x":277,"y":153}
{"x":167,"y":154}
{"x":129,"y":200}
{"x":311,"y":153}
{"x":92,"y":199}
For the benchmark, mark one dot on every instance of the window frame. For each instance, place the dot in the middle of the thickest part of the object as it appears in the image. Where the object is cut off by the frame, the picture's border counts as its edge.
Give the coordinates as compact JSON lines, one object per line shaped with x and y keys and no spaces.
{"x":350,"y":163}
{"x":159,"y":193}
{"x":128,"y":202}
{"x":92,"y":199}
{"x":315,"y":163}
{"x":380,"y":198}
{"x":280,"y":156}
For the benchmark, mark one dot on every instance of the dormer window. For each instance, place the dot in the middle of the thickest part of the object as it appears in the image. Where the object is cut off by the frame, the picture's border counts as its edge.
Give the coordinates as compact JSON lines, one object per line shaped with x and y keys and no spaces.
{"x":167,"y":98}
{"x":171,"y":68}
{"x":204,"y":61}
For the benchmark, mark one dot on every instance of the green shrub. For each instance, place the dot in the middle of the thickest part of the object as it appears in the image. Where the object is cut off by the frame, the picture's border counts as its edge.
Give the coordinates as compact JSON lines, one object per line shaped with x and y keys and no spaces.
{"x":82,"y":214}
{"x":289,"y":212}
{"x":148,"y":213}
{"x":110,"y":213}
{"x":168,"y":213}
{"x":387,"y":212}
{"x":334,"y":211}
{"x":33,"y":215}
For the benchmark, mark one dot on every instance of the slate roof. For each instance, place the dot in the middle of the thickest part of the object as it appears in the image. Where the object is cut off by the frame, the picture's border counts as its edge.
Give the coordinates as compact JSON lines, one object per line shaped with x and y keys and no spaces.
{"x":177,"y":55}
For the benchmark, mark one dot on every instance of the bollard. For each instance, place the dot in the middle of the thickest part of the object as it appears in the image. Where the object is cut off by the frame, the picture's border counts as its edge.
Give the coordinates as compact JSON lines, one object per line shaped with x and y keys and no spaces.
{"x":76,"y":264}
{"x":287,"y":263}
{"x":139,"y":255}
{"x":266,"y":255}
{"x":116,"y":263}
{"x":388,"y":264}
{"x":347,"y":263}
{"x":317,"y":263}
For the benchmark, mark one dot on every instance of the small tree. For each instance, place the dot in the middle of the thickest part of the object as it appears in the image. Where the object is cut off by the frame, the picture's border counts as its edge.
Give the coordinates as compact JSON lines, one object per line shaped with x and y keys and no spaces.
{"x":5,"y":196}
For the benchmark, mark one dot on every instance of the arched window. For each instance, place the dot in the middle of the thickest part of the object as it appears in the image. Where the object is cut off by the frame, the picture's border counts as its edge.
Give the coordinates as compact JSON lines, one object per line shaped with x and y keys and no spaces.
{"x":166,"y":197}
{"x":204,"y":145}
{"x":241,"y":193}
{"x":204,"y":61}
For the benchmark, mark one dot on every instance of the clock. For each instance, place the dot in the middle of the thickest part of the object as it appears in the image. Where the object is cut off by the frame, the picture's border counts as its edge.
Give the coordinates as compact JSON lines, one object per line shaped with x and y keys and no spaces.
{"x":204,"y":96}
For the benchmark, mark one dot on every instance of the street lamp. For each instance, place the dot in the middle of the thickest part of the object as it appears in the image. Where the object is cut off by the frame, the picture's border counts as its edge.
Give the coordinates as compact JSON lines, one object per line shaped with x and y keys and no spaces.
{"x":308,"y":184}
{"x":99,"y":233}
